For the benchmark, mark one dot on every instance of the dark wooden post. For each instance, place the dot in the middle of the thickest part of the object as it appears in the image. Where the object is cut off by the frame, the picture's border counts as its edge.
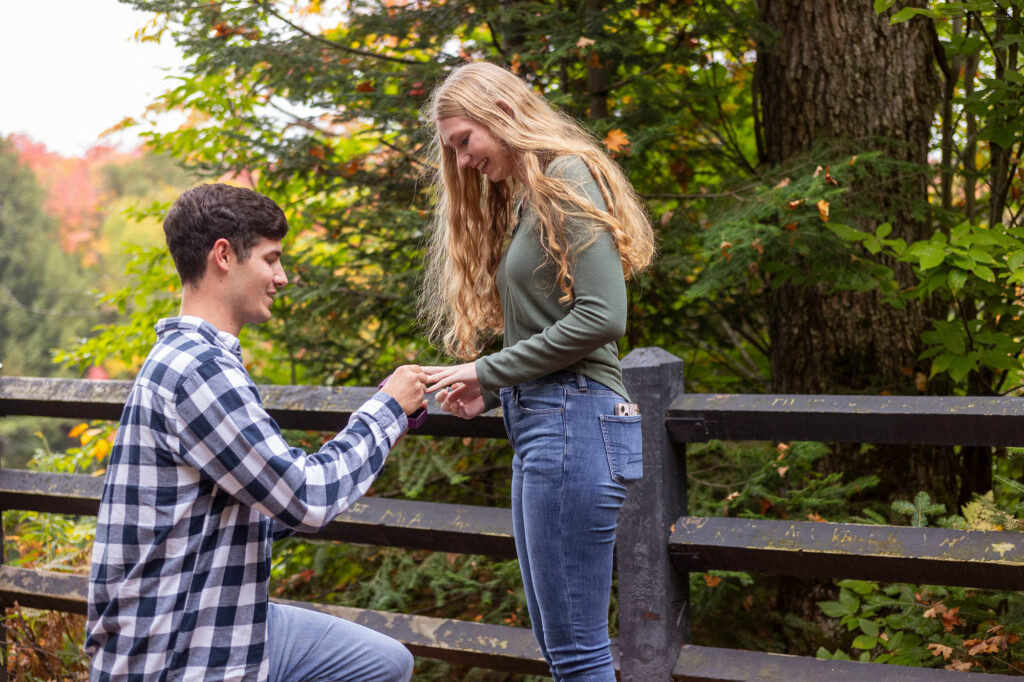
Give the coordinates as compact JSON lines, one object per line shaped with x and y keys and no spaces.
{"x":653,"y":614}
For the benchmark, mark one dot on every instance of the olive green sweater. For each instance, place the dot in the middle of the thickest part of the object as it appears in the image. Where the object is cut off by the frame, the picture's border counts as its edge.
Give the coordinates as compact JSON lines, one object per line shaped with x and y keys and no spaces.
{"x":542,"y":335}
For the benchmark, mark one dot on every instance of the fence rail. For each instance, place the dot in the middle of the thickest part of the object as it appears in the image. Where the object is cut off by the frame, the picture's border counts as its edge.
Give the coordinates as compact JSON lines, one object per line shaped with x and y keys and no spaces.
{"x":657,"y":544}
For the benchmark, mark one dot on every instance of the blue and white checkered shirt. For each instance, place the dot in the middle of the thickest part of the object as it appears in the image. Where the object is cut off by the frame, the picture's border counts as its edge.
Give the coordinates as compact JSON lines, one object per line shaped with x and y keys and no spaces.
{"x":198,"y":486}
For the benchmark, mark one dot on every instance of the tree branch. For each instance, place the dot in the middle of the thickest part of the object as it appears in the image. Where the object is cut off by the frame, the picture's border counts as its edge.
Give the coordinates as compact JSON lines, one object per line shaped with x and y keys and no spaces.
{"x":344,"y":48}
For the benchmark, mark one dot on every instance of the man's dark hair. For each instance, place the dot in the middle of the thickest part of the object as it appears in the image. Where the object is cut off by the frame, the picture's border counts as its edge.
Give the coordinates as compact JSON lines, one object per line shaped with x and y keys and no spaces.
{"x":206,"y":213}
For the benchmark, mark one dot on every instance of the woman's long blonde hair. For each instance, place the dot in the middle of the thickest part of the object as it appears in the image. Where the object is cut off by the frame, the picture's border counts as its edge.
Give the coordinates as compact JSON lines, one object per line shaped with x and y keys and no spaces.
{"x":473,"y":216}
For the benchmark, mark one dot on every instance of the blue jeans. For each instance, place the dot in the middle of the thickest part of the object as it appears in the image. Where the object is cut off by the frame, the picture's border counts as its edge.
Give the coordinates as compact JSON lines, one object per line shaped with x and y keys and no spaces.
{"x":573,"y":461}
{"x":310,"y":646}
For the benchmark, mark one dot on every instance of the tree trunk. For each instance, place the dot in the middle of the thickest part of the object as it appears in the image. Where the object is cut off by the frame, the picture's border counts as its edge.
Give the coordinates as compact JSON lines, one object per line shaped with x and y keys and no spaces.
{"x":839,"y":74}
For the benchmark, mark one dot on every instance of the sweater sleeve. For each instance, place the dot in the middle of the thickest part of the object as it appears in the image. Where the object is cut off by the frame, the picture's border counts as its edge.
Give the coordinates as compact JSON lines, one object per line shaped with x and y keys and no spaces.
{"x":595,"y":316}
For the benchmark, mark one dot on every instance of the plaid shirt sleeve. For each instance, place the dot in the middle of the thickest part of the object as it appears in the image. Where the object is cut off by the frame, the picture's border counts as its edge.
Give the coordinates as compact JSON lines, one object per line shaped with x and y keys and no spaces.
{"x":227,"y":435}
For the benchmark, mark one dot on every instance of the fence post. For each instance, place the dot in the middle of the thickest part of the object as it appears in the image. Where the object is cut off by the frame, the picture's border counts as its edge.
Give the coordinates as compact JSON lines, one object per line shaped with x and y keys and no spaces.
{"x":653,"y":596}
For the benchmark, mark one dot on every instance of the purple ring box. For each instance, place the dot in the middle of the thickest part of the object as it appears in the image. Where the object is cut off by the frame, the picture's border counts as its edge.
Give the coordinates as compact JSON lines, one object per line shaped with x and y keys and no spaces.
{"x":417,"y":418}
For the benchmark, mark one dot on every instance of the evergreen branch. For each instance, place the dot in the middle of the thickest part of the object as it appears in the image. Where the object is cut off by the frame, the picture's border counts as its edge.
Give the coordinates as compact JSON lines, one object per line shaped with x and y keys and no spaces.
{"x":668,"y":195}
{"x":344,"y":48}
{"x":1013,"y":485}
{"x":626,"y":81}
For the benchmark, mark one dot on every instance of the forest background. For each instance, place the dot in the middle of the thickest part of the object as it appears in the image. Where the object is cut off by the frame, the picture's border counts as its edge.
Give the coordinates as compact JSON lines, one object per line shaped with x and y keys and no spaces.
{"x":836,"y":187}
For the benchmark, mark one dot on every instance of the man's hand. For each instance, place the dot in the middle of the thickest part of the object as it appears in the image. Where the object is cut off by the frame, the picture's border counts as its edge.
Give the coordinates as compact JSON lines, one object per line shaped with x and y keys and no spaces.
{"x":407,"y":386}
{"x":464,"y":396}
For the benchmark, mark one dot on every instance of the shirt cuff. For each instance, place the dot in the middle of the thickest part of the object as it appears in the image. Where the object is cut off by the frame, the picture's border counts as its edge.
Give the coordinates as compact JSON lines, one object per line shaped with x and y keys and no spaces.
{"x":389,"y":415}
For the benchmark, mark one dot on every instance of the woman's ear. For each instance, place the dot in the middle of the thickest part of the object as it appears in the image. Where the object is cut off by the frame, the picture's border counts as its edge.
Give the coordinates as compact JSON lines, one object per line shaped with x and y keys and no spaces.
{"x":506,"y":107}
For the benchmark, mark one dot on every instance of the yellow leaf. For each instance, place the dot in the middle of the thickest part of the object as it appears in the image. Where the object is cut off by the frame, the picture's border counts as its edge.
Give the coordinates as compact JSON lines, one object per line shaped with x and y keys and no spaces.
{"x":712,"y":580}
{"x":584,"y":42}
{"x":616,"y":140}
{"x":102,"y":450}
{"x":87,"y":436}
{"x":940,"y":650}
{"x":782,"y":471}
{"x":77,"y":431}
{"x":823,"y":210}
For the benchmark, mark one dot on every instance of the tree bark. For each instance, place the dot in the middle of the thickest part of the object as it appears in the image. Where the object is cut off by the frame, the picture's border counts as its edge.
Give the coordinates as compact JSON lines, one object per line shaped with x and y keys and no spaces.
{"x":839,"y":76}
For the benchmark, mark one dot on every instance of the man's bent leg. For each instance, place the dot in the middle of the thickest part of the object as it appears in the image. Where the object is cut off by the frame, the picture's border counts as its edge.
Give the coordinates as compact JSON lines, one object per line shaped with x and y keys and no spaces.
{"x":305,"y":645}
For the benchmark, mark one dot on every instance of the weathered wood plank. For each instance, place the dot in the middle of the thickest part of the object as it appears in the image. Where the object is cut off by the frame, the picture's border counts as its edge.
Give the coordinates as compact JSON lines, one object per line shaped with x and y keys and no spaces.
{"x":44,"y":589}
{"x":935,"y":556}
{"x":371,"y":520}
{"x":319,"y":408}
{"x":709,"y":664}
{"x":927,"y":420}
{"x":51,"y":493}
{"x":497,"y":647}
{"x":500,"y":647}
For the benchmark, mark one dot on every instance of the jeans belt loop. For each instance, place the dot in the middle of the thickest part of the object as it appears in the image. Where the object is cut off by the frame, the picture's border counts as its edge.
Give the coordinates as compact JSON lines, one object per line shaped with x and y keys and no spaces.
{"x":581,"y":382}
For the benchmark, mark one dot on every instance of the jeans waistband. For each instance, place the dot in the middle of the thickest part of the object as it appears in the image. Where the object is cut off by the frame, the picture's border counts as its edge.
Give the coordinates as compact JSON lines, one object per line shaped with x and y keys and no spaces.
{"x":559,"y":377}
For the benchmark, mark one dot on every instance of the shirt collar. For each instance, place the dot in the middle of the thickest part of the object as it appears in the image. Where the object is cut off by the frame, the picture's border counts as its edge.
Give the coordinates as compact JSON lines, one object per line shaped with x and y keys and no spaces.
{"x":191,"y":323}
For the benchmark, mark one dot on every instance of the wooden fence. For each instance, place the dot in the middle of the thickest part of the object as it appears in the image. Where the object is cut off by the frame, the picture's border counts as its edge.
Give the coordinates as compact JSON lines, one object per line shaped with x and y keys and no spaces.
{"x":657,"y":544}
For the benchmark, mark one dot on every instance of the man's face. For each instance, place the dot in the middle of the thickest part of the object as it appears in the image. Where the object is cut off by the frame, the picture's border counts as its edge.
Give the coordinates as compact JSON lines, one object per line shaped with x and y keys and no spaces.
{"x":254,"y":282}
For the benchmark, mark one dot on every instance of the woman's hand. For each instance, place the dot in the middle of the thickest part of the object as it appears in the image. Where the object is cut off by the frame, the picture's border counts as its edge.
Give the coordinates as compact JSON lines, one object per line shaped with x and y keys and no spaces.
{"x":458,"y":389}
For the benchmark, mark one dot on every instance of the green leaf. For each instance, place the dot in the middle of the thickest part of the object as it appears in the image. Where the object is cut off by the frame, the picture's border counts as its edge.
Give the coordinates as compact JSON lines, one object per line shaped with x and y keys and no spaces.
{"x":956,"y":280}
{"x":984,"y":272}
{"x":953,"y":338}
{"x":859,"y":586}
{"x":864,"y":642}
{"x":906,"y":14}
{"x":833,"y":609}
{"x":847,"y":233}
{"x":849,"y":601}
{"x":927,"y":254}
{"x":1015,"y":260}
{"x":868,"y":627}
{"x":960,"y":367}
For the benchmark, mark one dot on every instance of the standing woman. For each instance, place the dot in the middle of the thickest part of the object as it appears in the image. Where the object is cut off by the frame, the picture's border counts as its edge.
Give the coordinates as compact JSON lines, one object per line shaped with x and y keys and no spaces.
{"x":535,"y":231}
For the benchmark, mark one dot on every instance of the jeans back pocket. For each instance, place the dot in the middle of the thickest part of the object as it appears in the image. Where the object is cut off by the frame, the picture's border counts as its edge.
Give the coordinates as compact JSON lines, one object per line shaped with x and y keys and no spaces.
{"x":623,"y":445}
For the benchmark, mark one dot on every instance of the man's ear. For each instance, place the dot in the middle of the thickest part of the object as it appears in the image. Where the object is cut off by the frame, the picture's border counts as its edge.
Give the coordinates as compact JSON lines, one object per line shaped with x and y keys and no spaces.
{"x":506,"y":107}
{"x":220,"y":255}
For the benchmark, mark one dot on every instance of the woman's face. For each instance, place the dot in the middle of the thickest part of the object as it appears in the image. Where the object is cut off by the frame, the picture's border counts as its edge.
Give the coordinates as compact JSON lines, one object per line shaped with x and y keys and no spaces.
{"x":476,"y":148}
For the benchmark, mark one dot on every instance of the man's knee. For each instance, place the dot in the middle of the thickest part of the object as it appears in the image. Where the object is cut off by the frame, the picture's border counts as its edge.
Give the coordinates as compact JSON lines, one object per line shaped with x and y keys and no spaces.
{"x":401,"y":662}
